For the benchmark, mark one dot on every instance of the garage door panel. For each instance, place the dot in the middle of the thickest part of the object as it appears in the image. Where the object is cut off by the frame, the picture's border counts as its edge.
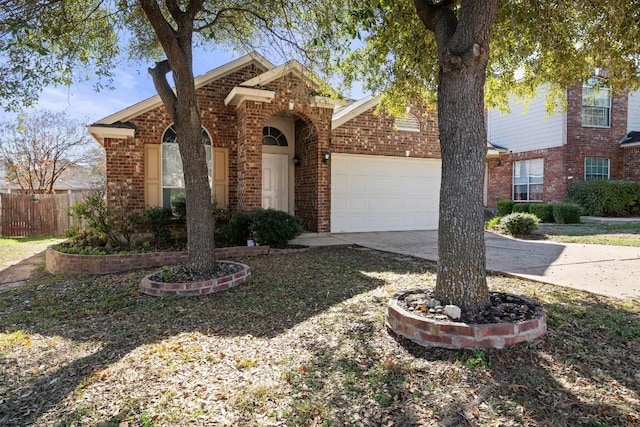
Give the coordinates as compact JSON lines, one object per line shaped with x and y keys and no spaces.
{"x":377,"y":193}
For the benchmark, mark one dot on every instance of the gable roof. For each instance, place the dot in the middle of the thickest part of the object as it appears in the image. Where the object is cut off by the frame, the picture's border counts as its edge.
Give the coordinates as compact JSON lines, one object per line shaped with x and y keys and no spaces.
{"x":289,"y":67}
{"x":200,"y":81}
{"x":348,"y":112}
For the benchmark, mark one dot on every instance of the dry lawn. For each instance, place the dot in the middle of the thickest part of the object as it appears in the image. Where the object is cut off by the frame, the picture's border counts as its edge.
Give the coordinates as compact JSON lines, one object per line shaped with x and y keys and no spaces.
{"x":302,"y":344}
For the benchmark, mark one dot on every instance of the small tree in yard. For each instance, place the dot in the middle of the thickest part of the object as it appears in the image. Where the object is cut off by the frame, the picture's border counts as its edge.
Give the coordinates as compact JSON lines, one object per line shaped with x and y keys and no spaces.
{"x":38,"y":149}
{"x":418,"y":50}
{"x":60,"y":37}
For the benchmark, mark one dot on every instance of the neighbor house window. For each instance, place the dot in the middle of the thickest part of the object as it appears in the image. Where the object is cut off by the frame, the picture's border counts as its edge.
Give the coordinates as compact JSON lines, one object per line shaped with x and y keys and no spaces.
{"x":528,"y":178}
{"x":408,"y":123}
{"x":596,"y":104}
{"x":596,"y":168}
{"x":172,"y":174}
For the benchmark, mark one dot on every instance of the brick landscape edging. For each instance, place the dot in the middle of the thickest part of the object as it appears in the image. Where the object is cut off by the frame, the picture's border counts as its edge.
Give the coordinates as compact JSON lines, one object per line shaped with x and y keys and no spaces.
{"x":204,"y":287}
{"x":62,"y":263}
{"x":457,"y":335}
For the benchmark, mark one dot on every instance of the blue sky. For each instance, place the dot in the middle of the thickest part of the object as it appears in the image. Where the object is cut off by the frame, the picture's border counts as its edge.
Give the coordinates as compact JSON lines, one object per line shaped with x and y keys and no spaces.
{"x":132,"y":83}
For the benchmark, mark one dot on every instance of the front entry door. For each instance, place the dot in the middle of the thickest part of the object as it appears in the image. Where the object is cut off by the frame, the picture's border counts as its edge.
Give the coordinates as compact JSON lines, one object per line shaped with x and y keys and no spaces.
{"x":275,"y":181}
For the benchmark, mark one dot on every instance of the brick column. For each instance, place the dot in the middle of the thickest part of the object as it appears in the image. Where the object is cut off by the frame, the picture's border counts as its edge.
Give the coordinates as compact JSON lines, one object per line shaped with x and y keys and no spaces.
{"x":250,"y":124}
{"x":125,"y":172}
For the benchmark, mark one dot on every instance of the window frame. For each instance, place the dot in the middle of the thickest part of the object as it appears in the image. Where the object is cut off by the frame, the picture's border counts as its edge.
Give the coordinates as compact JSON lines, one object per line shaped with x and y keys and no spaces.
{"x":272,"y":133}
{"x":528,"y":181}
{"x":593,"y":175}
{"x":594,"y":85}
{"x":169,"y":140}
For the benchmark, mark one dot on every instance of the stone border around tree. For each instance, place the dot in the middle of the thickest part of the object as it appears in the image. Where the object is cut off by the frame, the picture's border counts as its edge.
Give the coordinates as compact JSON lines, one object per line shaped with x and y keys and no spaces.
{"x":458,"y":335}
{"x":204,"y":287}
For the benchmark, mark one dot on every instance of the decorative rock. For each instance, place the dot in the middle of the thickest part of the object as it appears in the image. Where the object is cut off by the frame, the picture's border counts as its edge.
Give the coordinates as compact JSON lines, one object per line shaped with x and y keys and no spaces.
{"x":441,"y":317}
{"x":433,"y":303}
{"x":453,"y":311}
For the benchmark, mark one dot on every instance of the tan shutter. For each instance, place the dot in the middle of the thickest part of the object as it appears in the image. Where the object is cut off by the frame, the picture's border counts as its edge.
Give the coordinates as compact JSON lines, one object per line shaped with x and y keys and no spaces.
{"x":221,"y":176}
{"x":152,"y":175}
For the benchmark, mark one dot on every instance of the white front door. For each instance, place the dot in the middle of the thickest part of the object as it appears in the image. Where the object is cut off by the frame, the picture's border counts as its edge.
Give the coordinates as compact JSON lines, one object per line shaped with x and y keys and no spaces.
{"x":275,"y":181}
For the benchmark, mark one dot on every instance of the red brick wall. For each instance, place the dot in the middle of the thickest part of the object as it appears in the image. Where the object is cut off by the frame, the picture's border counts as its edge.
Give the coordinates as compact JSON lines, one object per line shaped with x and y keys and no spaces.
{"x":217,"y":119}
{"x":631,"y":163}
{"x":312,"y":178}
{"x":500,"y":184}
{"x":125,"y":172}
{"x":594,"y":142}
{"x":374,"y":134}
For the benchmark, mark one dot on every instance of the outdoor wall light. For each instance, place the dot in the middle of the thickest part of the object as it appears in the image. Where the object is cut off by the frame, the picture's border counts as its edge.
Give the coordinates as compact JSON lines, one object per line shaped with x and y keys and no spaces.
{"x":498,"y":162}
{"x":325,"y":157}
{"x":296,"y":161}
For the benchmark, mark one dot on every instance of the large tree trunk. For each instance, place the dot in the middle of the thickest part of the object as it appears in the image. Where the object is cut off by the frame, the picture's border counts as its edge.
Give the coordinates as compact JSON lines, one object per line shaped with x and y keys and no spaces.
{"x":462,"y":37}
{"x":183,"y":108}
{"x":200,"y":241}
{"x":461,"y":248}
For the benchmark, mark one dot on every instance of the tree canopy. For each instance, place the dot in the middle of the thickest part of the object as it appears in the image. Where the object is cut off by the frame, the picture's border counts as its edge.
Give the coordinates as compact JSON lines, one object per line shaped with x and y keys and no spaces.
{"x":533,"y":43}
{"x":56,"y":42}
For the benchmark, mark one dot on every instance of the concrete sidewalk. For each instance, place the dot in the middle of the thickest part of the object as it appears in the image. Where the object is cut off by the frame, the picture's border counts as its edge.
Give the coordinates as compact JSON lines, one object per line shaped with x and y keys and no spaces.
{"x":606,"y":270}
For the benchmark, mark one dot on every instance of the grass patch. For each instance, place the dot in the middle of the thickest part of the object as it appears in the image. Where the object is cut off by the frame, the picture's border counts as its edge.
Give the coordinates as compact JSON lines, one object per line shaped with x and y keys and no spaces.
{"x":13,"y":250}
{"x":625,"y":234}
{"x":303,"y":343}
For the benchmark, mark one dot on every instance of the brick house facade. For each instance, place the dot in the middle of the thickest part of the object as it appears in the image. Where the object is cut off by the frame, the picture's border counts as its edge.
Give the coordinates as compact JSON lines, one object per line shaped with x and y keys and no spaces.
{"x":240,"y":103}
{"x":565,"y":144}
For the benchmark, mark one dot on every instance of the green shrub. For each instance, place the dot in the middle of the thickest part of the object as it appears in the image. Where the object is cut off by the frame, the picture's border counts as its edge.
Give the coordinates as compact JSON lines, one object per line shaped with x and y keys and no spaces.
{"x":267,"y":226}
{"x":236,"y":231}
{"x":179,"y":207}
{"x":505,"y":207}
{"x":567,"y":213}
{"x":519,"y":223}
{"x":221,"y":216}
{"x":521,"y":207}
{"x":274,"y":228}
{"x":602,"y":197}
{"x":156,"y":220}
{"x":494,"y":223}
{"x":544,"y":211}
{"x":100,"y":224}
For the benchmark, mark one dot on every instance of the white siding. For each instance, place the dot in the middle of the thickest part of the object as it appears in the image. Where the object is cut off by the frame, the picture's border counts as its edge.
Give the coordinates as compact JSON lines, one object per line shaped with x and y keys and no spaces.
{"x":527,"y":128}
{"x":633,"y":118}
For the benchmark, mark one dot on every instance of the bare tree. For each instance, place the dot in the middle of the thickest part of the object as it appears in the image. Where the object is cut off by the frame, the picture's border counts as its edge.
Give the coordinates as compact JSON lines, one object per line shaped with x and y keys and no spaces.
{"x":37,"y":149}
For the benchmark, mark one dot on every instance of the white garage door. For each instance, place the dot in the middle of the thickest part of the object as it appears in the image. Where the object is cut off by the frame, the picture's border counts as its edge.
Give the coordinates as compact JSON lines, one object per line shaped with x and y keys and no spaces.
{"x":378,"y":193}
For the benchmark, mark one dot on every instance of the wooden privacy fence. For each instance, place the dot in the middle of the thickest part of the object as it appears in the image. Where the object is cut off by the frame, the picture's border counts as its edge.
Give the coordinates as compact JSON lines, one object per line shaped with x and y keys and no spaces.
{"x":23,"y":215}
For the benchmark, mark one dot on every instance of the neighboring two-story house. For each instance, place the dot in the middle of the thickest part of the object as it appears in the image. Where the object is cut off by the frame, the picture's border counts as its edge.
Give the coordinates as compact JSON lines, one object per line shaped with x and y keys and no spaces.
{"x":272,"y":140}
{"x":542,"y":153}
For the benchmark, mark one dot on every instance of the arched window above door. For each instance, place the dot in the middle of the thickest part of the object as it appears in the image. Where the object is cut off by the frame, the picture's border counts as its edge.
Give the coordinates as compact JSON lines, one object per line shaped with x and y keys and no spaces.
{"x":273,"y":136}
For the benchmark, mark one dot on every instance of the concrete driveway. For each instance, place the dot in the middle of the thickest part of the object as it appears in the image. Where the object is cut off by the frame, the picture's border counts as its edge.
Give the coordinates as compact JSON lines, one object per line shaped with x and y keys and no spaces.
{"x":607,"y":270}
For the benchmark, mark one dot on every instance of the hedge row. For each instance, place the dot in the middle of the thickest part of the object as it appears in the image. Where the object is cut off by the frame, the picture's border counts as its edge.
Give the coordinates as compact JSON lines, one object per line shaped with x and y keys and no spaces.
{"x":561,"y":213}
{"x":601,"y":197}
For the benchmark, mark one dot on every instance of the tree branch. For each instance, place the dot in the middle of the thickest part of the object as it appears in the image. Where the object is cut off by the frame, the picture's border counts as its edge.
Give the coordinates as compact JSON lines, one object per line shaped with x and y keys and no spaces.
{"x":159,"y":75}
{"x":174,"y":10}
